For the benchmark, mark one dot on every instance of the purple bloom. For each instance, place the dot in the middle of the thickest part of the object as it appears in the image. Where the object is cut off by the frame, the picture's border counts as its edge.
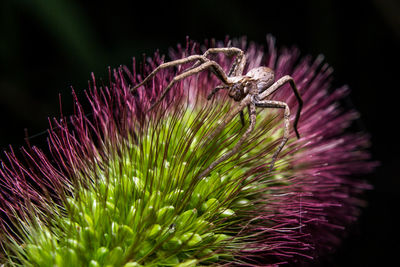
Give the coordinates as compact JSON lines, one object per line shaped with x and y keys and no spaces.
{"x":300,"y":211}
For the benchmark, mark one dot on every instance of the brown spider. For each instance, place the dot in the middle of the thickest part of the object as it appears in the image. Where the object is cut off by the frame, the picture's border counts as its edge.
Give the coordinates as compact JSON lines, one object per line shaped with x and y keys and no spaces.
{"x":250,"y":90}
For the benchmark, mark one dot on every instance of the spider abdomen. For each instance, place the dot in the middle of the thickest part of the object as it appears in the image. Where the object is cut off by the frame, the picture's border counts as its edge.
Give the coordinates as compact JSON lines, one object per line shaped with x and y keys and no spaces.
{"x":263,"y":76}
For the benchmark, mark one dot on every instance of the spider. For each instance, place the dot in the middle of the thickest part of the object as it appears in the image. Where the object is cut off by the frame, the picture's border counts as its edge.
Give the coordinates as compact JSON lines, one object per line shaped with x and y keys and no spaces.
{"x":249,"y":90}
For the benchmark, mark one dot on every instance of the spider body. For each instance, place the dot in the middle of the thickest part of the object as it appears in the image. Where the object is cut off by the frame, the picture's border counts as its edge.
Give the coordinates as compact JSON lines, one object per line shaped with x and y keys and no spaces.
{"x":250,"y":90}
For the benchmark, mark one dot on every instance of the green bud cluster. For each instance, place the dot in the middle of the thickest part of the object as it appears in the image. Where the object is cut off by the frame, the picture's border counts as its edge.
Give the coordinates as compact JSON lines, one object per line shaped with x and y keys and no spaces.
{"x":145,"y":206}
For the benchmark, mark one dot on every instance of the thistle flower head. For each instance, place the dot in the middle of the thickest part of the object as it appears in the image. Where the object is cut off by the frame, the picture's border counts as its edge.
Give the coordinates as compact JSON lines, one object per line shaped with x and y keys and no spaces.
{"x":123,"y":187}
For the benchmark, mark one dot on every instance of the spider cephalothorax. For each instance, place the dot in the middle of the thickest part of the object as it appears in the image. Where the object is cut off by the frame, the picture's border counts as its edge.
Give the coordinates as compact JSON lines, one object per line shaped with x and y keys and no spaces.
{"x":237,"y":91}
{"x":250,"y":90}
{"x":254,"y":82}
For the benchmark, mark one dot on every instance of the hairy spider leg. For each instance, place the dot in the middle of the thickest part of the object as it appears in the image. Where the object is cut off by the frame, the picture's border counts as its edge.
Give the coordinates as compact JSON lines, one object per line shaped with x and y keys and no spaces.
{"x":236,"y":148}
{"x":240,"y":60}
{"x":285,"y":138}
{"x":227,"y":51}
{"x":171,"y":64}
{"x":279,"y":83}
{"x":206,"y":65}
{"x":216,"y":89}
{"x":236,"y":69}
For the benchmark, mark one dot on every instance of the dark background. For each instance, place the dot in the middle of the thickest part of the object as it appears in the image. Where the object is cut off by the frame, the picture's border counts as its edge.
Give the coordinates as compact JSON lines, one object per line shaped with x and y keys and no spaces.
{"x":46,"y":46}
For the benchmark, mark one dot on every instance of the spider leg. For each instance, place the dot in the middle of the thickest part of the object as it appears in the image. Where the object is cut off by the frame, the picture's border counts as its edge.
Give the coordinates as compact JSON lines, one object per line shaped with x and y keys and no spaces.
{"x":285,"y":138}
{"x":206,"y":65}
{"x":240,"y":60}
{"x":226,"y":50}
{"x":279,"y":83}
{"x":171,"y":64}
{"x":215,"y":90}
{"x":235,"y":149}
{"x":235,"y":70}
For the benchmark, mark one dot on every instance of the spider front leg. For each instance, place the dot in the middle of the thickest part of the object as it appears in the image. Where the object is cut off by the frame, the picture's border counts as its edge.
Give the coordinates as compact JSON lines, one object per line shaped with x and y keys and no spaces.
{"x":236,"y":69}
{"x":285,"y":138}
{"x":240,"y":60}
{"x":219,"y":72}
{"x":215,"y":90}
{"x":171,"y":64}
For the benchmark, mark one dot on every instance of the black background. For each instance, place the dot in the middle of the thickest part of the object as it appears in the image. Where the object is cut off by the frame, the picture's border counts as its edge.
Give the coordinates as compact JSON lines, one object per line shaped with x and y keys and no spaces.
{"x":46,"y":46}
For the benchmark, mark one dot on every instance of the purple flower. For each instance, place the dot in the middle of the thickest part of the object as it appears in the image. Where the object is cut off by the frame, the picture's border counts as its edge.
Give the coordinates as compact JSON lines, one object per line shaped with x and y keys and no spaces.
{"x":293,"y":214}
